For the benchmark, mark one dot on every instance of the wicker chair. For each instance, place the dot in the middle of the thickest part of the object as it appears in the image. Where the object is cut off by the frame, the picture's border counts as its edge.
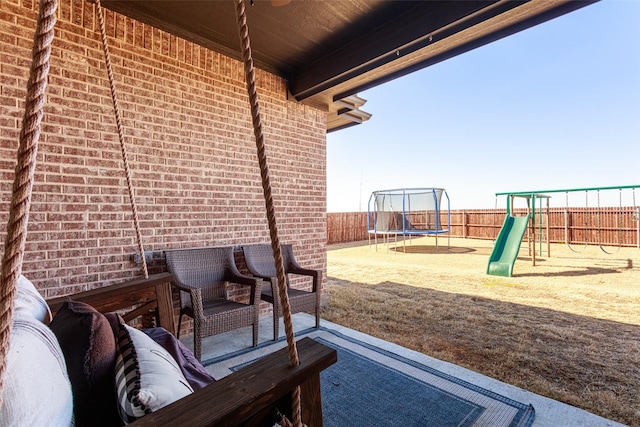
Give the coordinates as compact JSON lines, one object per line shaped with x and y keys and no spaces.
{"x":260,"y":262}
{"x":202,"y":275}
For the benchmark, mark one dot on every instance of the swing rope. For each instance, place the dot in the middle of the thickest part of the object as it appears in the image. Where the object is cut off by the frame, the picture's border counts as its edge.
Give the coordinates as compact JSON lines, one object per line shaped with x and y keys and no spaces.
{"x":619,"y":226}
{"x":586,"y":221}
{"x":245,"y":42}
{"x":123,"y":148}
{"x":26,"y":163}
{"x":24,"y":174}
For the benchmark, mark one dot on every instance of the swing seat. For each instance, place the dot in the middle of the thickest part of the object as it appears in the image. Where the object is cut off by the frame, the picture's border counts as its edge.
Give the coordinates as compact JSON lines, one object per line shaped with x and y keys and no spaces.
{"x":249,"y":396}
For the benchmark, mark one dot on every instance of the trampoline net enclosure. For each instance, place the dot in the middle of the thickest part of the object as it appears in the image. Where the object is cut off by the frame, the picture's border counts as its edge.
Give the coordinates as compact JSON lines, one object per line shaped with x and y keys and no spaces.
{"x":409,"y":211}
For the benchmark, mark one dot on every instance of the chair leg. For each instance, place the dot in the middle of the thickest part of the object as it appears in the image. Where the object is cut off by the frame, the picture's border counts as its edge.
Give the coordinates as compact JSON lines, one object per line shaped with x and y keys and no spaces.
{"x":276,"y":321}
{"x":317,"y":316}
{"x":179,"y":325}
{"x":255,"y":334}
{"x":197,"y":341}
{"x":256,"y":324}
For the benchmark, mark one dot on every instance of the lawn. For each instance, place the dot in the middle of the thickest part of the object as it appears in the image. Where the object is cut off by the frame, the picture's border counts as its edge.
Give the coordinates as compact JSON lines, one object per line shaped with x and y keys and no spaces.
{"x":567,"y":328}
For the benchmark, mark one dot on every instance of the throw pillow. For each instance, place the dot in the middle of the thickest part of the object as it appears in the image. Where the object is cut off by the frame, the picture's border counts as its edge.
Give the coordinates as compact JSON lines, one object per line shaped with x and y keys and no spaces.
{"x":89,"y":348}
{"x":29,"y":299}
{"x":191,"y":368}
{"x":36,"y":389}
{"x":147,"y":377}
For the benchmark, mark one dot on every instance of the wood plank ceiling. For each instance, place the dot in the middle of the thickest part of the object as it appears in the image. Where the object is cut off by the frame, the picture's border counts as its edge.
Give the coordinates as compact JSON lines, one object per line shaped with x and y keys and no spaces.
{"x":329,"y":50}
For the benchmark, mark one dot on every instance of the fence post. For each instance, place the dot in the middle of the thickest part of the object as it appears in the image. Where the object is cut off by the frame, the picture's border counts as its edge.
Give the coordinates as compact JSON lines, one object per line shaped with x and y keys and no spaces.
{"x":464,"y":224}
{"x":637,"y":219}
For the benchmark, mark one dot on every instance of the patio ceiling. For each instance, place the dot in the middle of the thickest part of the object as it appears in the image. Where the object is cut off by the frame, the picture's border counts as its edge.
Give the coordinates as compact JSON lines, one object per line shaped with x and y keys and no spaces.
{"x":329,"y":50}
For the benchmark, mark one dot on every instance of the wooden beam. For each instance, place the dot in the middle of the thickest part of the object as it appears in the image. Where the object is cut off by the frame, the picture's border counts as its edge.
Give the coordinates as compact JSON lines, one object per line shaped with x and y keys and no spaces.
{"x":408,"y":43}
{"x":534,"y":12}
{"x":397,"y":38}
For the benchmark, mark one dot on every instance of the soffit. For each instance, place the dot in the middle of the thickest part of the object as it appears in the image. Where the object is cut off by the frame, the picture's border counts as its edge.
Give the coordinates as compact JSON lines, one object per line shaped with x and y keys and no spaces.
{"x":332,"y":49}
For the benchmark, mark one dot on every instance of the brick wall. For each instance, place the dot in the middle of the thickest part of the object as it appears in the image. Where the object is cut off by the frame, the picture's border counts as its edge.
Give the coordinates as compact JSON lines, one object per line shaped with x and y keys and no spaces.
{"x":190,"y":142}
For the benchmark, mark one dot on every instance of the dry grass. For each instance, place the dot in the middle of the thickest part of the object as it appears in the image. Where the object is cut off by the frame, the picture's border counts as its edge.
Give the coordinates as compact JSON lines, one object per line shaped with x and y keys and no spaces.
{"x":568,"y":328}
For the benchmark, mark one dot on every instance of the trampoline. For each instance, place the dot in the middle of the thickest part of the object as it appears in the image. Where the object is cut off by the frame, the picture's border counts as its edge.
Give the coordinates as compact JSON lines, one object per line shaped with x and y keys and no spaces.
{"x":408,"y":212}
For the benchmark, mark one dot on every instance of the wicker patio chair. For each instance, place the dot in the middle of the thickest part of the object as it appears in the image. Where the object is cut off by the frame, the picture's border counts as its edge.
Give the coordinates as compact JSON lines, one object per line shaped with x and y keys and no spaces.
{"x":260,"y":262}
{"x":202,"y":275}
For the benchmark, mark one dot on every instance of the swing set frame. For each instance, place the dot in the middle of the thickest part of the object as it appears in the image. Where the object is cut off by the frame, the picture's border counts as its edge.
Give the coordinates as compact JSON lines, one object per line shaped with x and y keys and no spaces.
{"x":536,"y":223}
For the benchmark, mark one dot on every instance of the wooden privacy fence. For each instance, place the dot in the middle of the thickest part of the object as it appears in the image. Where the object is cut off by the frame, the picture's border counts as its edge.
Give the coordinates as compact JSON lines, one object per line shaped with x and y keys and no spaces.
{"x":611,"y":226}
{"x":345,"y":227}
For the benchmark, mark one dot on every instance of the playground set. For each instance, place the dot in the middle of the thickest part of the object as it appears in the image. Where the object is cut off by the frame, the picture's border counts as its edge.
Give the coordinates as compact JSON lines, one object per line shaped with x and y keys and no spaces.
{"x":407,"y":212}
{"x":535,"y":224}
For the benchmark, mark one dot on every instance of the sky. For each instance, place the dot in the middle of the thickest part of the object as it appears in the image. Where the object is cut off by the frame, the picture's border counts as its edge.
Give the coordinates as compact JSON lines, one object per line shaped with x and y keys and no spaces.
{"x":555,"y":106}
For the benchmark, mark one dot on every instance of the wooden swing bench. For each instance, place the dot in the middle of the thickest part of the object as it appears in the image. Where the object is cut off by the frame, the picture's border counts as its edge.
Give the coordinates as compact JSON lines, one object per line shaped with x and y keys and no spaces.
{"x":251,"y":396}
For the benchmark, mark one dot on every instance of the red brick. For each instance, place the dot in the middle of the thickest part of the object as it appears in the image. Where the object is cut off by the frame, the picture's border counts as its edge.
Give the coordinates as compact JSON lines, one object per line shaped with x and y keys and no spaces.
{"x":190,"y":142}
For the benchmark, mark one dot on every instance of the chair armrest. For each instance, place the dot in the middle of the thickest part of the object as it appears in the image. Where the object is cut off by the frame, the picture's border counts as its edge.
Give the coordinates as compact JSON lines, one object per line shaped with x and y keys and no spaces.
{"x":241,"y":396}
{"x":315,"y":274}
{"x":265,"y":277}
{"x":294,"y":268}
{"x":304,"y":271}
{"x":240,"y":279}
{"x":183,"y":286}
{"x":254,"y":283}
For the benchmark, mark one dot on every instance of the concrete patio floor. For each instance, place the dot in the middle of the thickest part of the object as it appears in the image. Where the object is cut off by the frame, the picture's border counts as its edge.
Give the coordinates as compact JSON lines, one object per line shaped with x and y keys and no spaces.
{"x":548,"y":412}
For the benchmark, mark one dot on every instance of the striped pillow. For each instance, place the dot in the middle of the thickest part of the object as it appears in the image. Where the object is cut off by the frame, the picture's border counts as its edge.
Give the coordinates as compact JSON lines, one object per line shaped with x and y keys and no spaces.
{"x":147,"y":376}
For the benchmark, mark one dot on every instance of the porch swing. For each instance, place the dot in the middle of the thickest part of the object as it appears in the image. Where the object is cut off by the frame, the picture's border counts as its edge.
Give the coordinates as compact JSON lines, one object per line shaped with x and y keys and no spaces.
{"x":252,"y":395}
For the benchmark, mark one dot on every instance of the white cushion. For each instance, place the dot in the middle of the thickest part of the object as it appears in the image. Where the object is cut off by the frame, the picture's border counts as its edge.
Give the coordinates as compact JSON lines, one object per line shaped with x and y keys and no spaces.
{"x":29,"y":299}
{"x":147,"y":376}
{"x":37,"y":391}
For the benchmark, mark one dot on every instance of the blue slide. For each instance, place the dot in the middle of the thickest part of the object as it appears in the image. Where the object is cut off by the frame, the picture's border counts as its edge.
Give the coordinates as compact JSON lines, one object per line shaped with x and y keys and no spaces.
{"x":507,"y":246}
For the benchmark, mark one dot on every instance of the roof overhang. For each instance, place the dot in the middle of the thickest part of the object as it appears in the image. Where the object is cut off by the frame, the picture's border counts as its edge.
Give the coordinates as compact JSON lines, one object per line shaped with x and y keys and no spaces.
{"x":331,"y":50}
